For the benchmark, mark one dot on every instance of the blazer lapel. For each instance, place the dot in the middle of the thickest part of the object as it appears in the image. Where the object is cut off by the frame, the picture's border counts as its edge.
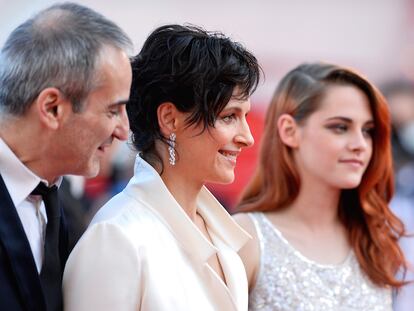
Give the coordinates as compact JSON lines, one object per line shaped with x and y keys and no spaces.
{"x":17,"y":250}
{"x":219,"y":291}
{"x":222,"y":228}
{"x":234,"y":273}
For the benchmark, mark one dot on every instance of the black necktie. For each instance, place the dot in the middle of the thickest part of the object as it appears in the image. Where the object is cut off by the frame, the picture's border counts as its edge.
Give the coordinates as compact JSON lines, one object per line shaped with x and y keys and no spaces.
{"x":51,"y":273}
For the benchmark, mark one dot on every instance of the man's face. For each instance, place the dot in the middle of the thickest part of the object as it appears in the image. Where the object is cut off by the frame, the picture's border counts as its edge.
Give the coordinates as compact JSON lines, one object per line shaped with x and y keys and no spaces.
{"x":85,"y":136}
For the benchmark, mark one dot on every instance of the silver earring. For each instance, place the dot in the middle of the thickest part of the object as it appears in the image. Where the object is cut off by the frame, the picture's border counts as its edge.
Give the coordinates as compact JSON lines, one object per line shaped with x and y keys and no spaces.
{"x":171,"y":149}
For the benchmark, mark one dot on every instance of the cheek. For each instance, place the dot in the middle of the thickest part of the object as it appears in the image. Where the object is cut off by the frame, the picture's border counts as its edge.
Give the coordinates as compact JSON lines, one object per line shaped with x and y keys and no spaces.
{"x":330,"y":144}
{"x":370,"y":150}
{"x":99,"y":131}
{"x":103,"y":126}
{"x":321,"y":147}
{"x":320,"y":155}
{"x":368,"y":154}
{"x":222,"y":136}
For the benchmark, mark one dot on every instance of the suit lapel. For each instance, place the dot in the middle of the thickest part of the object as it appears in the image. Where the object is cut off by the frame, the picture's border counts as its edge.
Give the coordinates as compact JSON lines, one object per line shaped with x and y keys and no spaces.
{"x":220,"y":293}
{"x":234,"y":273}
{"x":17,"y":250}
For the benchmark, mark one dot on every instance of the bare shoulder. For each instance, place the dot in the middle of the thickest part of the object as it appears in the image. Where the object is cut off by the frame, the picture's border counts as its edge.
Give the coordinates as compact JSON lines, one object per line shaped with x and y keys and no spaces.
{"x":245,"y":221}
{"x":250,"y":252}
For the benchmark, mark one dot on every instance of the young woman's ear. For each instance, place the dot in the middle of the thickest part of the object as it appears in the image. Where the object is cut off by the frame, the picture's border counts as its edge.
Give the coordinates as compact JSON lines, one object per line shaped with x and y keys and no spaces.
{"x":51,"y":105}
{"x":288,"y":130}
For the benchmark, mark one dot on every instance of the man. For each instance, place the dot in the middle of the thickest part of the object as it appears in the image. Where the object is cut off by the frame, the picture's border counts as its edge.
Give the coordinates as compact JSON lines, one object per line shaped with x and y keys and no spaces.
{"x":64,"y":81}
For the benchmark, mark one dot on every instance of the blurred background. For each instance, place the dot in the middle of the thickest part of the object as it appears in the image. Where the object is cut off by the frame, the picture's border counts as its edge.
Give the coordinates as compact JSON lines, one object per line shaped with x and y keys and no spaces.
{"x":376,"y":37}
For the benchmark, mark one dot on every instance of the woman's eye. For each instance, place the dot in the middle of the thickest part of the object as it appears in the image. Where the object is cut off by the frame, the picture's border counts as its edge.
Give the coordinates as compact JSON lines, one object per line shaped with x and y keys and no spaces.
{"x":228,"y":118}
{"x":338,"y":128}
{"x":368,"y":132}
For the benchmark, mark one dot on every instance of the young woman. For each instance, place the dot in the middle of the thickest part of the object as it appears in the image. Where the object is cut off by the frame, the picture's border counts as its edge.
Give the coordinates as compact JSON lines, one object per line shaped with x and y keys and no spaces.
{"x":164,"y":242}
{"x":324,"y":236}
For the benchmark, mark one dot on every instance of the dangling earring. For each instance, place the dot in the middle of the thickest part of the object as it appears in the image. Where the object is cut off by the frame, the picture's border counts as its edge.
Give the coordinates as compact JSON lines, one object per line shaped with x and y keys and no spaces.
{"x":171,"y":149}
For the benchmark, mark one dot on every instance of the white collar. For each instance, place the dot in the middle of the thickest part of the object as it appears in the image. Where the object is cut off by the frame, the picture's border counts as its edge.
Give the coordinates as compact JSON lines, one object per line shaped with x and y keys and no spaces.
{"x":18,"y":178}
{"x":147,"y":186}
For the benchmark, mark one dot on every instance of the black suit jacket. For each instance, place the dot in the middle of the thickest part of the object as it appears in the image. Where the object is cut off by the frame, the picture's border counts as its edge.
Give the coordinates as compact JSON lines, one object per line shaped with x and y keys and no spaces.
{"x":20,"y":287}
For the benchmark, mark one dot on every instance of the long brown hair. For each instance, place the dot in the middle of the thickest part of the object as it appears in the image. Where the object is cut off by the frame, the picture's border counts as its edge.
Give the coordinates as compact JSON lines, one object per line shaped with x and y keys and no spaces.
{"x":373,"y":229}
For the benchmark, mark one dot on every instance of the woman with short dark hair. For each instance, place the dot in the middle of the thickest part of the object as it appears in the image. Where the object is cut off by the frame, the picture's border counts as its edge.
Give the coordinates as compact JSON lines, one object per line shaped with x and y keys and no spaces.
{"x":164,"y":242}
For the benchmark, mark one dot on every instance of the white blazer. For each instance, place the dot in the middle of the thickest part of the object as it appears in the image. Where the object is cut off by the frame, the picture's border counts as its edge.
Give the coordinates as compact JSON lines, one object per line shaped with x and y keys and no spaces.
{"x":142,"y":252}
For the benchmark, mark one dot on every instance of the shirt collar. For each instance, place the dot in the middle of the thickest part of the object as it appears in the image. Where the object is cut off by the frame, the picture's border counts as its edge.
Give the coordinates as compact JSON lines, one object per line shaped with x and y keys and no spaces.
{"x":18,"y":178}
{"x":147,"y":186}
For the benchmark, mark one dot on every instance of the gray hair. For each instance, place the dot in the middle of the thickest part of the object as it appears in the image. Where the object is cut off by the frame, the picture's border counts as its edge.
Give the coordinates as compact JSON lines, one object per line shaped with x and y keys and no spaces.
{"x":59,"y":47}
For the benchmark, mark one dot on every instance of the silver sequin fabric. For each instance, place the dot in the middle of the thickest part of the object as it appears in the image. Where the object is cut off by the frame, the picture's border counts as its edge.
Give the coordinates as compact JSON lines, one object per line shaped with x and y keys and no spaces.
{"x":287,"y":280}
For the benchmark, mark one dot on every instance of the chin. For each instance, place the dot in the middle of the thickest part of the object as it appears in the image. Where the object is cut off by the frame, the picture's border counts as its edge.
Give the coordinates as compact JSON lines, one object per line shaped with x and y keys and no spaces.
{"x":225,"y":180}
{"x":350,"y":184}
{"x":91,"y":171}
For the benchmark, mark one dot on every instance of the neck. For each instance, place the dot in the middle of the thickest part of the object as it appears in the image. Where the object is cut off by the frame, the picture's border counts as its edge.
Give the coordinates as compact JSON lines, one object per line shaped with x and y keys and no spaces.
{"x":316,"y":205}
{"x":28,"y":150}
{"x":183,"y":189}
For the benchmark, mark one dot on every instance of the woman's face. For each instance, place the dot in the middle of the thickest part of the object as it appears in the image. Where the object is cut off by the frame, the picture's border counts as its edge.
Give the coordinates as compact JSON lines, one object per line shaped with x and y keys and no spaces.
{"x":335,"y":142}
{"x":212,"y":155}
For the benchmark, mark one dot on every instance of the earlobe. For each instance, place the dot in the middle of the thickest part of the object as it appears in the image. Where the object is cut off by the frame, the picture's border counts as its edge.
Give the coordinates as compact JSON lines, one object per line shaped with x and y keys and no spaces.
{"x":288,"y":130}
{"x":50,"y":105}
{"x":167,"y":118}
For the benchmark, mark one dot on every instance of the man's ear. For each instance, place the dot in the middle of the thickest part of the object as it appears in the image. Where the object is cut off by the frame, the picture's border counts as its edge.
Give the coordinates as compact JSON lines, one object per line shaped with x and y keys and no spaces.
{"x":51,"y":105}
{"x":288,"y":130}
{"x":168,"y":118}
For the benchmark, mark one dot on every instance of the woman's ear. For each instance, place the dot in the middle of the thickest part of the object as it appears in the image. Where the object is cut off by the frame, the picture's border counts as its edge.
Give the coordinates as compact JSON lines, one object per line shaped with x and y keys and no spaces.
{"x":51,"y":105}
{"x":167,"y":118}
{"x":288,"y":130}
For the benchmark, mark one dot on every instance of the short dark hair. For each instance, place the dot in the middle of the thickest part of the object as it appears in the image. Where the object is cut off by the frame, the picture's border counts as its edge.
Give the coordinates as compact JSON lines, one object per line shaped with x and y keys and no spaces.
{"x":194,"y":69}
{"x":59,"y":47}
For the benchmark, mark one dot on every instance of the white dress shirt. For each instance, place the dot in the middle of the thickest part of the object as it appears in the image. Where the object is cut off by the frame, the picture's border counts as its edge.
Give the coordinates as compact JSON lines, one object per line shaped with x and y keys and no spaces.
{"x":142,"y":252}
{"x":20,"y":182}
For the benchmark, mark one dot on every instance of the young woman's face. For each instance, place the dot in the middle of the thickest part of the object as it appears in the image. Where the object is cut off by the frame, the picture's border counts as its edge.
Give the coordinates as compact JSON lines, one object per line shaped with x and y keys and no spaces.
{"x":335,"y":142}
{"x":212,"y":155}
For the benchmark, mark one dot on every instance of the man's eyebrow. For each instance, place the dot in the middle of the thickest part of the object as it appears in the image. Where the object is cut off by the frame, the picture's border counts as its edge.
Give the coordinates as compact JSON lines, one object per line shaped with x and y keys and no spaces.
{"x":119,"y":103}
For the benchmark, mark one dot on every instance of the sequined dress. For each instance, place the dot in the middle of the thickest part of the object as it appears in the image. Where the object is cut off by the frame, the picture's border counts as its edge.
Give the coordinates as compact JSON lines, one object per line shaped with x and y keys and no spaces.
{"x":287,"y":280}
